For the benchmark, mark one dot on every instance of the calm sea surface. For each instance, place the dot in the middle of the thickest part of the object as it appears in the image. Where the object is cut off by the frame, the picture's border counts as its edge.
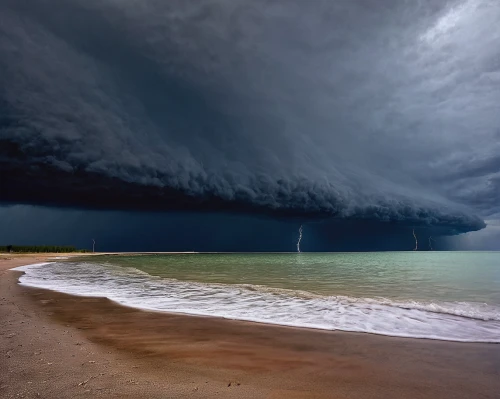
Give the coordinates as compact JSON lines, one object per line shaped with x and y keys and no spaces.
{"x":441,"y":295}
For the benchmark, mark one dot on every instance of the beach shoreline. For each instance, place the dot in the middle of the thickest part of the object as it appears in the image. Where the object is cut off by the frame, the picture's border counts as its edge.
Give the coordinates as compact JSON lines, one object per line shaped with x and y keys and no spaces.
{"x":96,"y":347}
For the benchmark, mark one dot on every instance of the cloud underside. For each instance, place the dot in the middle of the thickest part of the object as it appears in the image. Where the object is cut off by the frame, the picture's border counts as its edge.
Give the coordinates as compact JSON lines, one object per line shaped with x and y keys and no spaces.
{"x":53,"y":187}
{"x":341,"y":111}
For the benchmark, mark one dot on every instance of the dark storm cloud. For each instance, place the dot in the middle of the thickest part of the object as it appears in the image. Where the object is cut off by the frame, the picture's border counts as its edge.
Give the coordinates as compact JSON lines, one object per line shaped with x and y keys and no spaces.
{"x":352,"y":109}
{"x":201,"y":231}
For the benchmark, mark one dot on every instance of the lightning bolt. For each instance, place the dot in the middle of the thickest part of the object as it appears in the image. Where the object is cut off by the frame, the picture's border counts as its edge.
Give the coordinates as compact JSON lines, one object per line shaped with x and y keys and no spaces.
{"x":416,"y":241}
{"x":300,"y":238}
{"x":430,"y":243}
{"x":93,"y":245}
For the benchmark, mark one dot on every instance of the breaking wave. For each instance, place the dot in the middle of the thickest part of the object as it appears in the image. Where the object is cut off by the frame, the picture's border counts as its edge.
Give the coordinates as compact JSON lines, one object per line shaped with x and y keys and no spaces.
{"x":453,"y":321}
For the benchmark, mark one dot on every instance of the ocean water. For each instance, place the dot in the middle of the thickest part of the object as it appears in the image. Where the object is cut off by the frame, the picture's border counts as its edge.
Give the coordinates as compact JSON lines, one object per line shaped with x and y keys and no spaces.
{"x":439,"y":295}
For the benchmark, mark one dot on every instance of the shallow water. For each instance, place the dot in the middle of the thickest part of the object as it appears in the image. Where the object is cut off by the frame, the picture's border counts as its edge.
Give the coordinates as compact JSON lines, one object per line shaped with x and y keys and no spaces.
{"x":441,"y":295}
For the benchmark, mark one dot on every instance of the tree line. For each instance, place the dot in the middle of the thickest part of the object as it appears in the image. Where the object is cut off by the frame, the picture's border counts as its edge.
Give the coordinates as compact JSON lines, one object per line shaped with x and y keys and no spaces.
{"x":40,"y":248}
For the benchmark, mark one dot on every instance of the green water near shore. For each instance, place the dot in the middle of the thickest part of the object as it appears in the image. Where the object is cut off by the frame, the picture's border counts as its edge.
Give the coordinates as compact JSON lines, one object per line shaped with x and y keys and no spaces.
{"x":441,"y":276}
{"x":439,"y":295}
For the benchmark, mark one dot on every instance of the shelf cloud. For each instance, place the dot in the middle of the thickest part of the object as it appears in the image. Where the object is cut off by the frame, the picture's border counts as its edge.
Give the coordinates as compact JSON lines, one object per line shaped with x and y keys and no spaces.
{"x":324,"y":111}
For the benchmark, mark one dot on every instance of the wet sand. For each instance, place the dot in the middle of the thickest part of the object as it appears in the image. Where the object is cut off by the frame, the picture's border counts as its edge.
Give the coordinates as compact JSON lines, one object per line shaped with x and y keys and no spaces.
{"x":56,"y":345}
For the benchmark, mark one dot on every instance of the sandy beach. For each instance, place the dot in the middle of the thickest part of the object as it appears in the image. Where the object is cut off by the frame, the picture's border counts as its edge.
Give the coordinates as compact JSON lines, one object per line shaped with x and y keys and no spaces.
{"x":56,"y":345}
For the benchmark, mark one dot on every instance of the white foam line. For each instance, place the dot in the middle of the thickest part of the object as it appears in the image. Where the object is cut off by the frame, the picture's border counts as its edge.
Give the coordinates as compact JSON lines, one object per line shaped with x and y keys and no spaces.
{"x":26,"y":268}
{"x":129,"y":287}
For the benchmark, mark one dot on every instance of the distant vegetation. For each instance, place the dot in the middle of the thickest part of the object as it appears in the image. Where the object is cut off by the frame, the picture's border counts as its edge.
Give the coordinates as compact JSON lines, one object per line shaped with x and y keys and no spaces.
{"x":39,"y":248}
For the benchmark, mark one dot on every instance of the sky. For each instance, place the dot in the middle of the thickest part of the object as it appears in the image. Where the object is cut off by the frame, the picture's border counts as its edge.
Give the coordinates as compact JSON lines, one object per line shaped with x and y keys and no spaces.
{"x":226,"y":124}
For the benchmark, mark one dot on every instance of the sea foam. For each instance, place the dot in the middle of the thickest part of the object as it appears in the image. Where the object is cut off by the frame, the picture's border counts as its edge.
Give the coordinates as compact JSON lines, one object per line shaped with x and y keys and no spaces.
{"x":453,"y":321}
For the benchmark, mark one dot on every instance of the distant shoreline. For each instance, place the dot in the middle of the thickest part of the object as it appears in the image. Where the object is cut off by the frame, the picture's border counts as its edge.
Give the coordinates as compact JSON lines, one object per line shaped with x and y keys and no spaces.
{"x":138,"y":253}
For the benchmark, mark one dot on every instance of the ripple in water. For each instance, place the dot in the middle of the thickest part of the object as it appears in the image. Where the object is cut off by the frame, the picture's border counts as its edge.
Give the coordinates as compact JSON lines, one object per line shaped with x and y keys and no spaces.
{"x":454,"y":321}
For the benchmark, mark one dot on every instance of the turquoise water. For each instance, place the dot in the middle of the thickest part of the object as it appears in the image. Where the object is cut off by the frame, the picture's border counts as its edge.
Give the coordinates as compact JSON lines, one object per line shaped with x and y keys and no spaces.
{"x":440,"y":295}
{"x":445,"y":276}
